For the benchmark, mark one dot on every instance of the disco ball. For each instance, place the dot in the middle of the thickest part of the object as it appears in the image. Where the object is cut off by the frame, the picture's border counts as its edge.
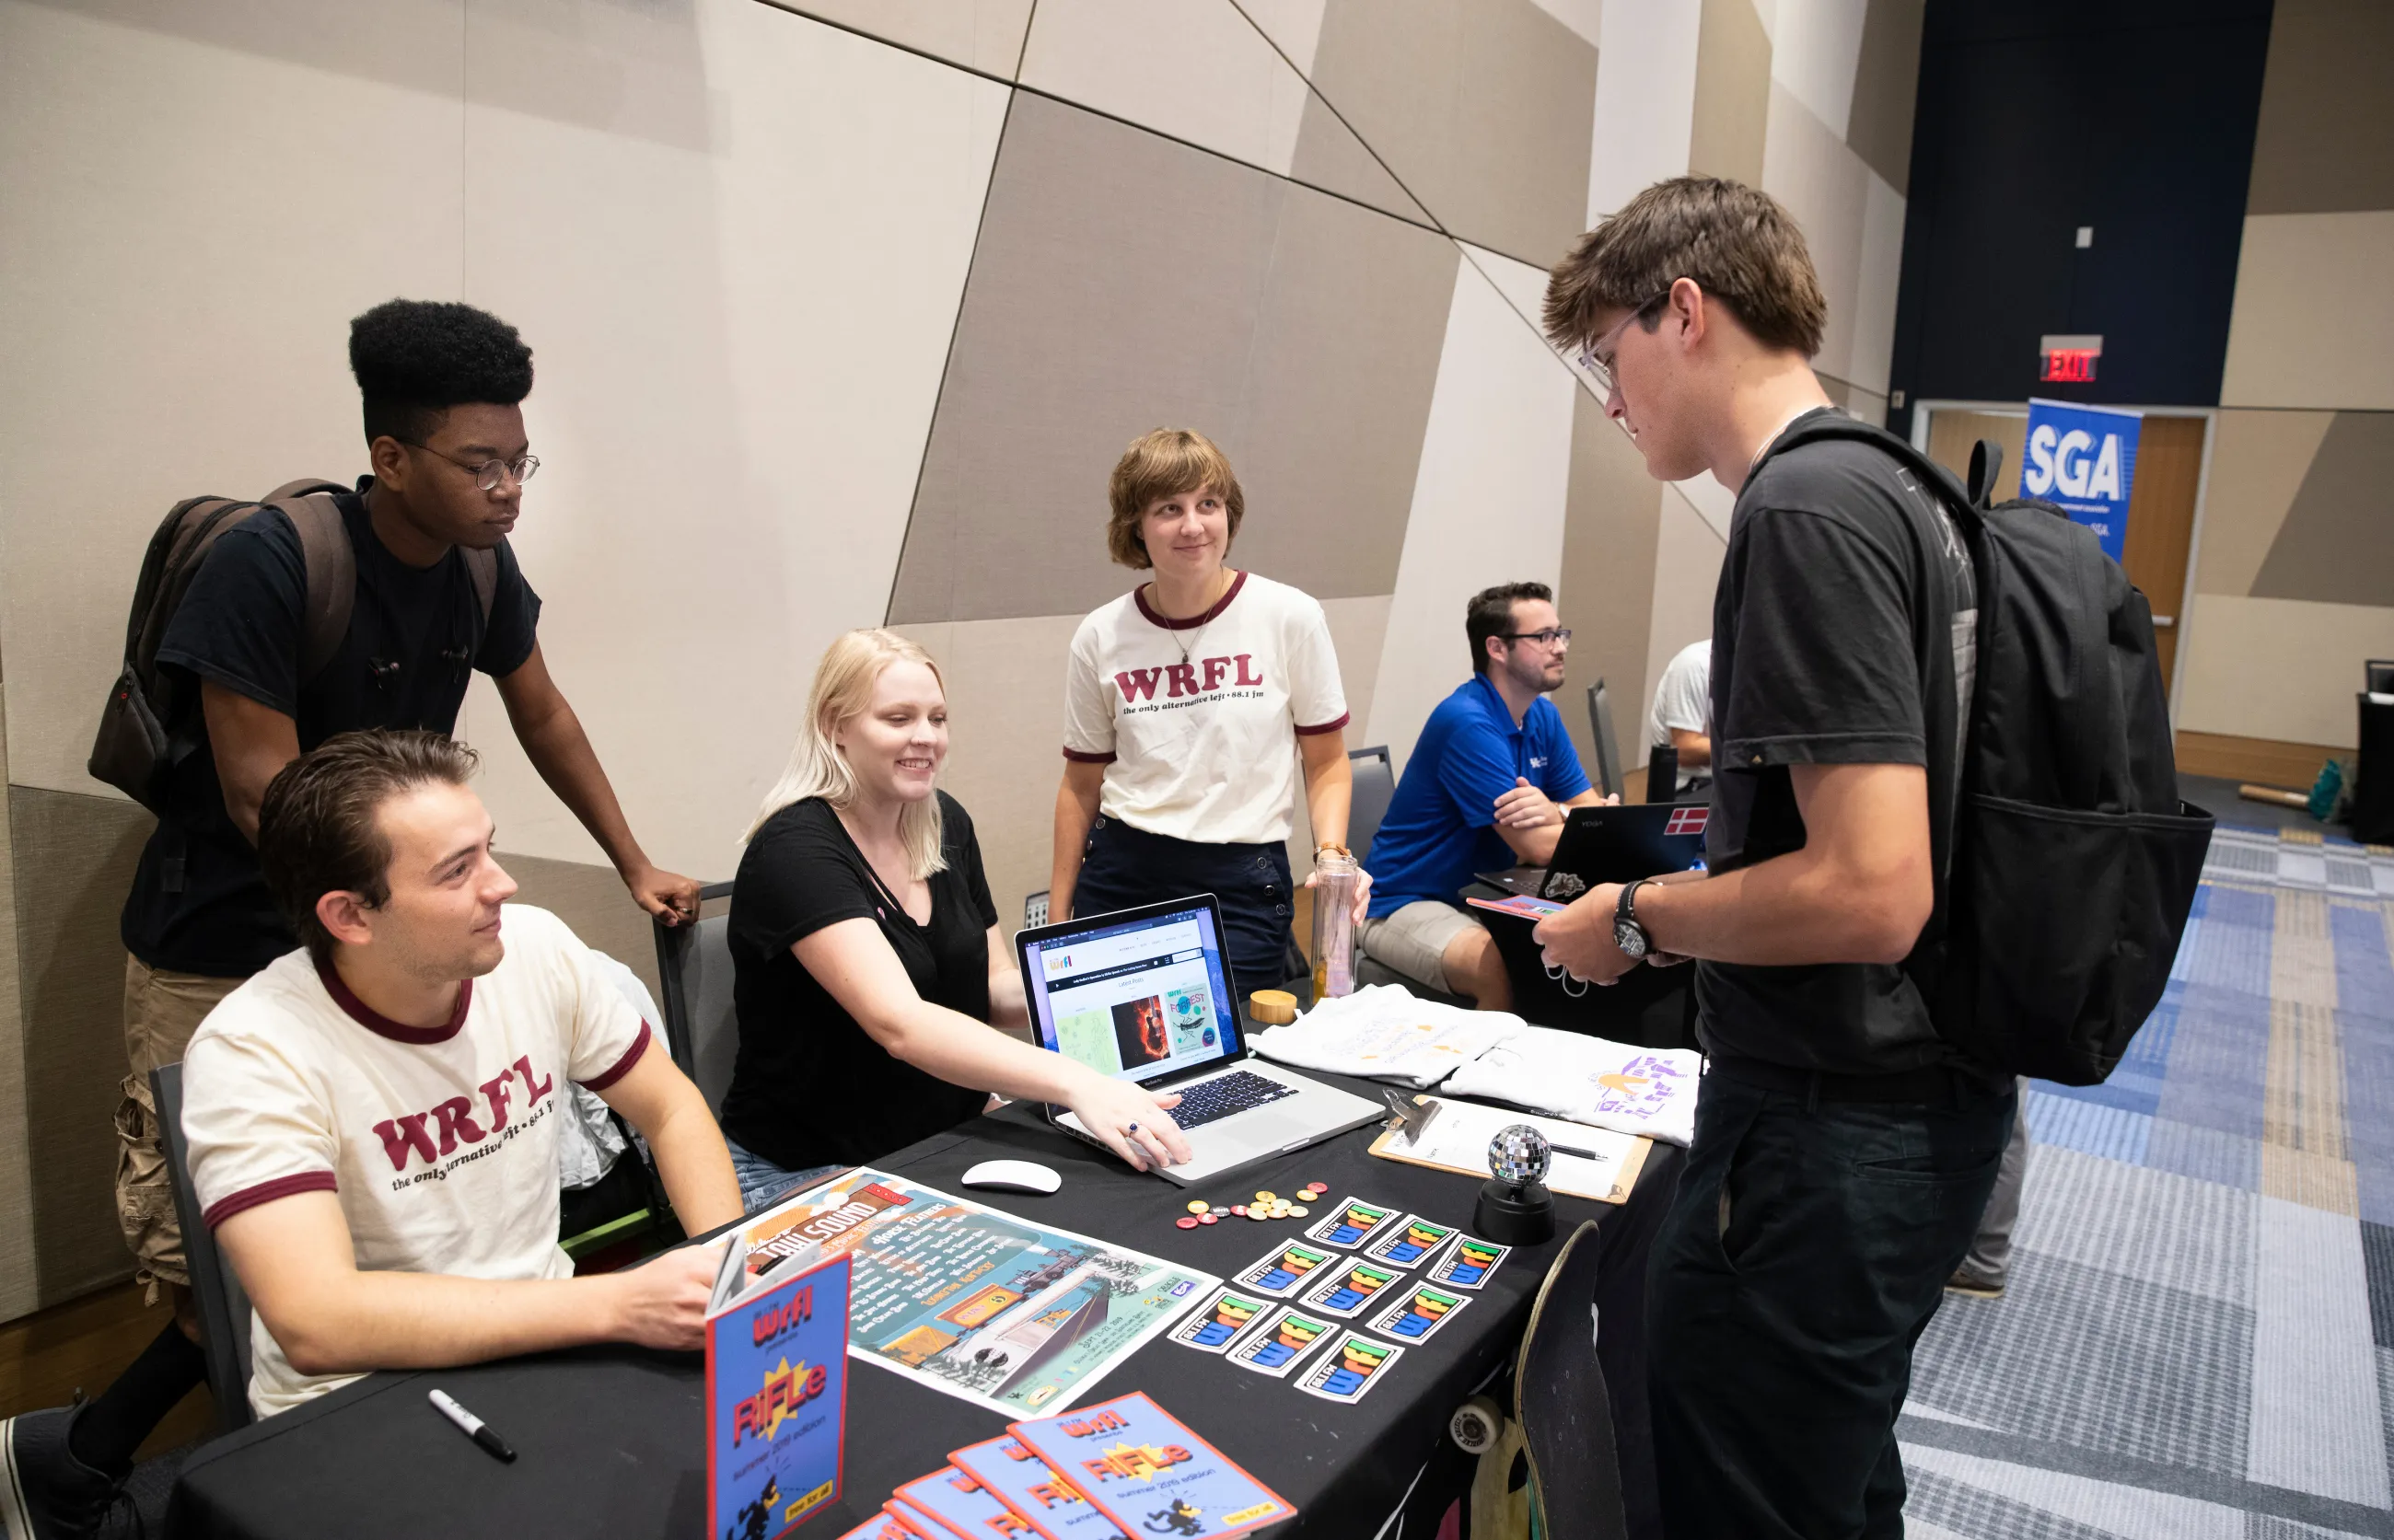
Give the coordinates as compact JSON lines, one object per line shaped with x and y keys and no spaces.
{"x":1519,"y":1156}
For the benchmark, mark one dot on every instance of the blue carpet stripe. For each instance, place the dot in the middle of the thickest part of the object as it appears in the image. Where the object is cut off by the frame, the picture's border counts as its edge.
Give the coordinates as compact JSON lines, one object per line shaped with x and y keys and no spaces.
{"x":2089,"y":1127}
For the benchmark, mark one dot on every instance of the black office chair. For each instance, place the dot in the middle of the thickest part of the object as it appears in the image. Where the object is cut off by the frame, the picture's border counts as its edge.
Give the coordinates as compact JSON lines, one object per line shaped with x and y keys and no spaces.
{"x":1376,"y":787}
{"x":694,"y":980}
{"x":1563,"y":1406}
{"x":1607,"y":747}
{"x":223,"y":1304}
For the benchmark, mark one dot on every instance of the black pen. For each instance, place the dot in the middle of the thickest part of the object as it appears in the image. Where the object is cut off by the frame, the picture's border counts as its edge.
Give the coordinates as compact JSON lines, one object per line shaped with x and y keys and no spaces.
{"x":471,"y":1425}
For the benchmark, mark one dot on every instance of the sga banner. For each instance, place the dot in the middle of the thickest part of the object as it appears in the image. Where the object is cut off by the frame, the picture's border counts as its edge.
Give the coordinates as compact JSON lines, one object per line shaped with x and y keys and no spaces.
{"x":2083,"y":460}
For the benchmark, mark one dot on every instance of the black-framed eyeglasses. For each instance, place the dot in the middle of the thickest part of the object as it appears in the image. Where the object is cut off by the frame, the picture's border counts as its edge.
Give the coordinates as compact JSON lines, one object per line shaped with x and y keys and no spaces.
{"x":1596,"y":357}
{"x":1546,"y":638}
{"x":487,"y":474}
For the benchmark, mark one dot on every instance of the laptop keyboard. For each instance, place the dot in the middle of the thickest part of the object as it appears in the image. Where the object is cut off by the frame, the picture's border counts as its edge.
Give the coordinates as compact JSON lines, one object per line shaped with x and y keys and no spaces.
{"x":1239,"y":1091}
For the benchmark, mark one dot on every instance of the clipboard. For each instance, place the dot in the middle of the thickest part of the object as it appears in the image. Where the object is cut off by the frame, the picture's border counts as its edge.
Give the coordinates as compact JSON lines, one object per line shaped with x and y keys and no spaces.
{"x":1467,"y":1125}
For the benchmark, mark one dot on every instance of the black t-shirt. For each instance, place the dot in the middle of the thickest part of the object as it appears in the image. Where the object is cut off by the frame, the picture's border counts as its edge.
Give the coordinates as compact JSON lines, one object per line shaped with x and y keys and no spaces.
{"x":1844,"y":632}
{"x":198,"y":903}
{"x":810,"y":1087}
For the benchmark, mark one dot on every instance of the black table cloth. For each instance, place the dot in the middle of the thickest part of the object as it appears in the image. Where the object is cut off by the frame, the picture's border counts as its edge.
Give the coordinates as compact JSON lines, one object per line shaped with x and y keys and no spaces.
{"x":610,"y":1439}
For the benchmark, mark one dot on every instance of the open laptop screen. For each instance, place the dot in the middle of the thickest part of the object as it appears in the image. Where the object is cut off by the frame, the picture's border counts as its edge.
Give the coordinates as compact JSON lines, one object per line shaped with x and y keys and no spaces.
{"x":1138,"y":995}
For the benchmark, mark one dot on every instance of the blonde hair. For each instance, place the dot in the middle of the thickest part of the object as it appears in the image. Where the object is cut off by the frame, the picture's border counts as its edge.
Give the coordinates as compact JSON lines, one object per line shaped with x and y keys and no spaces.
{"x":843,"y":689}
{"x":1166,"y":462}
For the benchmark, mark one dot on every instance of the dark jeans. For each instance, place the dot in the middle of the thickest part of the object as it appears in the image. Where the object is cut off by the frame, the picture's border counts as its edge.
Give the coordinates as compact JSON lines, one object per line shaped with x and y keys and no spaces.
{"x":1123,"y":868}
{"x":1808,"y":1248}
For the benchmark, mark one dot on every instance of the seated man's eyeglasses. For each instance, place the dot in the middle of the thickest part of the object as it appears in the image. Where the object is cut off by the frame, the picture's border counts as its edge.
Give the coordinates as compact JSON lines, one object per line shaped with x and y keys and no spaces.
{"x":488,"y":473}
{"x":1551,"y":636}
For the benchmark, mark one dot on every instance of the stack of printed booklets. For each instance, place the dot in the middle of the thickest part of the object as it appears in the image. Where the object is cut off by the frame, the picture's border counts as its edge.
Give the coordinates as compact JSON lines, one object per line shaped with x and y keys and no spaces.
{"x":1121,"y":1468}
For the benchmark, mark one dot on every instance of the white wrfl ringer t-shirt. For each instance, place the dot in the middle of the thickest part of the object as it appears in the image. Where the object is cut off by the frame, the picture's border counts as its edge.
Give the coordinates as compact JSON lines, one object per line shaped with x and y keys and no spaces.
{"x":1201,"y":745}
{"x":440,"y":1142}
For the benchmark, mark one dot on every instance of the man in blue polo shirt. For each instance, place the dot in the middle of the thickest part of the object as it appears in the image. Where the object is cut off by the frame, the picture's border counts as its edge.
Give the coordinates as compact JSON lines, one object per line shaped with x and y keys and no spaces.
{"x":1486,"y":787}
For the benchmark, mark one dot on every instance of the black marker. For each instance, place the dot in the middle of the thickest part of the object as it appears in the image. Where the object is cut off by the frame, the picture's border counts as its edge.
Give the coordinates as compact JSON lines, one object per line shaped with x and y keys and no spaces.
{"x":471,"y":1425}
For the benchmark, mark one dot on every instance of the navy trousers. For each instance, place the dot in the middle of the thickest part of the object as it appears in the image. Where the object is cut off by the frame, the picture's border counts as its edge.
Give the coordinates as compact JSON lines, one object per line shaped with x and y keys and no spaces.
{"x":1123,"y":868}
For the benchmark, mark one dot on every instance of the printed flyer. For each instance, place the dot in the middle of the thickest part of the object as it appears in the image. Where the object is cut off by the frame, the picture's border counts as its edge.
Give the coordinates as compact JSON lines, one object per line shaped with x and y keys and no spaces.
{"x":1145,"y":1469}
{"x":777,"y":1402}
{"x":977,"y":1303}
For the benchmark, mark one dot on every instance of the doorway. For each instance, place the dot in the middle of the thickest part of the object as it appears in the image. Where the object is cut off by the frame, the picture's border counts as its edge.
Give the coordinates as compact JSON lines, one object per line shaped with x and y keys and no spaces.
{"x":2164,"y":504}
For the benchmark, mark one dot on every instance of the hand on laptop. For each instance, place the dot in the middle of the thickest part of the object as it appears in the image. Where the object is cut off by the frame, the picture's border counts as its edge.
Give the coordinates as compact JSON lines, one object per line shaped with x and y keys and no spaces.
{"x":1132,"y":1120}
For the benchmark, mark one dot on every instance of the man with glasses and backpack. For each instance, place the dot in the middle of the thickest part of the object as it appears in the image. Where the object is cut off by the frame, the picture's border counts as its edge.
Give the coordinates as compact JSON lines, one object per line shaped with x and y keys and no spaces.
{"x":259,"y":630}
{"x":1928,"y":871}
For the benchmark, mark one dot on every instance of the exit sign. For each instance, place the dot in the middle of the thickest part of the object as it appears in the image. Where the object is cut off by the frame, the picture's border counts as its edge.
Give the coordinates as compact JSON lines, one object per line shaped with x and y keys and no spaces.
{"x":2069,"y":359}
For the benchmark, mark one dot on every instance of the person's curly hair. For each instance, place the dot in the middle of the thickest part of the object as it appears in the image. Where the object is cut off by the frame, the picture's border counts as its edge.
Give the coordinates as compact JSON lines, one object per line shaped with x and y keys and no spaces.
{"x":414,"y":359}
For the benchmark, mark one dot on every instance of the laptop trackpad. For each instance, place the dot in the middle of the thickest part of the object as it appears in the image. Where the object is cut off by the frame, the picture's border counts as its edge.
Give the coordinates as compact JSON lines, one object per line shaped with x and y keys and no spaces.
{"x":1271,"y":1127}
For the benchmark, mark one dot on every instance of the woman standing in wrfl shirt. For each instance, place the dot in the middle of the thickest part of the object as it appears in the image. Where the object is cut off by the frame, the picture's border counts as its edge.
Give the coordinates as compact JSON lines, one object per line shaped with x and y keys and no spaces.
{"x":1190,"y":703}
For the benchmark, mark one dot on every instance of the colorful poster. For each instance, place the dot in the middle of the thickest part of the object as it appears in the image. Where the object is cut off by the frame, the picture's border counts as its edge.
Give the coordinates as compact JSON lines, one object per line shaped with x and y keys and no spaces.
{"x":777,"y":1404}
{"x":1150,"y":1474}
{"x":1052,"y":1505}
{"x":977,"y":1303}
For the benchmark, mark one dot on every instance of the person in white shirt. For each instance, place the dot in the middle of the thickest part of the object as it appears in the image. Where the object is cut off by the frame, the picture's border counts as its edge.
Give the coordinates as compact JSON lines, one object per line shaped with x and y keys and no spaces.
{"x":373,"y":1119}
{"x":1189,"y":704}
{"x":1682,"y":716}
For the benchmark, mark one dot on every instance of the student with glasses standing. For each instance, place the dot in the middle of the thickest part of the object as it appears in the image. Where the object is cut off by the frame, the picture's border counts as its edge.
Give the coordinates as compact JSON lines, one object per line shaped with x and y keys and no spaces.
{"x":442,"y":385}
{"x":1190,"y":705}
{"x":1486,"y":787}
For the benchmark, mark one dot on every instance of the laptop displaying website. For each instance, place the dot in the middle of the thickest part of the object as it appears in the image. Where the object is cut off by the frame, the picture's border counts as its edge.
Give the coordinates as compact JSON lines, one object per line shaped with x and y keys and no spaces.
{"x":1139,"y":995}
{"x":1145,"y":994}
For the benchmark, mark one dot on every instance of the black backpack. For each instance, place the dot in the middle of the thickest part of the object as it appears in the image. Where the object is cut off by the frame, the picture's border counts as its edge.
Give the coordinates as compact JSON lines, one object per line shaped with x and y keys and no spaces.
{"x":2070,"y":862}
{"x":148,"y":725}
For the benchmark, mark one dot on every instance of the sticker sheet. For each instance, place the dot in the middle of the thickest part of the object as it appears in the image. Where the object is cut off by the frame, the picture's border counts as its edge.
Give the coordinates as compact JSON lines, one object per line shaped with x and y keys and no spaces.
{"x":1418,"y":1313}
{"x":1467,"y":1263}
{"x":1351,"y":1289}
{"x":1411,"y":1240}
{"x":1285,"y":1338}
{"x":1349,"y":1368}
{"x":1282,"y":1271}
{"x":1213,"y":1327}
{"x":1350,"y":1224}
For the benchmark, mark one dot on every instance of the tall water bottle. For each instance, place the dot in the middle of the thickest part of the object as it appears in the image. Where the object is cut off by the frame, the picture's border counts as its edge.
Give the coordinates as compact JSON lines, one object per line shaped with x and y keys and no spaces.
{"x":1335,"y":874}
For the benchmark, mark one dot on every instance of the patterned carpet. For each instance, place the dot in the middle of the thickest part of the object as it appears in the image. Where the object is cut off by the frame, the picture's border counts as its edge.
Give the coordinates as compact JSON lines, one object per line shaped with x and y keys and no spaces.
{"x":2198,"y":1339}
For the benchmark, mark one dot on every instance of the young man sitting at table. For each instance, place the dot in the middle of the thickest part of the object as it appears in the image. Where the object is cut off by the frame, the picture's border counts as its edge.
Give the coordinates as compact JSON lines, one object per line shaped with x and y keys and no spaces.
{"x":372,"y":1118}
{"x":1488,"y":786}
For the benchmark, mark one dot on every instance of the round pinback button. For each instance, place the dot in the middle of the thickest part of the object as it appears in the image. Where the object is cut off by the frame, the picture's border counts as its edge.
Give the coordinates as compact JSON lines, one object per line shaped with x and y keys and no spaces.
{"x":1240,"y":1209}
{"x":1198,"y":1206}
{"x":1219,"y":1210}
{"x":1187,"y":1221}
{"x":1264,"y":1196}
{"x":1297,"y":1211}
{"x":1209,"y":1219}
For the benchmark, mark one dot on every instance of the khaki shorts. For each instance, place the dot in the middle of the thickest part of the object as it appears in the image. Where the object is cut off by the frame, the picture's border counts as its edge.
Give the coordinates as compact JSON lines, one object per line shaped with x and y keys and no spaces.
{"x":1413,"y":940}
{"x":162,"y":1010}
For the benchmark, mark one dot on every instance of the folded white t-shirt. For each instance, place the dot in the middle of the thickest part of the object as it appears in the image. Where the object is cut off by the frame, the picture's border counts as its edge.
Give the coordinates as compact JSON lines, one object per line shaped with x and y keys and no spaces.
{"x":1649,"y":1092}
{"x":1381,"y":1032}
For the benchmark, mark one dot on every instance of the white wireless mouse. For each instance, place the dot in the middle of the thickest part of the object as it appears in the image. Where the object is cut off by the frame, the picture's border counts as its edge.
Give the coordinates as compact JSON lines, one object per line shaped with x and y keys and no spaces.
{"x":1013,"y":1176}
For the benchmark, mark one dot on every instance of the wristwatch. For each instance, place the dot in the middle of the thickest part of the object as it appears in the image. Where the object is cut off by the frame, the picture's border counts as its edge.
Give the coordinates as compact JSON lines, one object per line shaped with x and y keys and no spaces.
{"x":1628,"y":935}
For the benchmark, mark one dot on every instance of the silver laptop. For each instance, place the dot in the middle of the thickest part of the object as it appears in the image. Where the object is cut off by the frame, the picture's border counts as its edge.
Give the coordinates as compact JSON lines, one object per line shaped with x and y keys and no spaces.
{"x":1145,"y":995}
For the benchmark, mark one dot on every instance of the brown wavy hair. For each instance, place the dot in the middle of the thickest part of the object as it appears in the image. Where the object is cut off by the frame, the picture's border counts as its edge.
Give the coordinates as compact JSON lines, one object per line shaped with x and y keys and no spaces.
{"x":1166,"y":462}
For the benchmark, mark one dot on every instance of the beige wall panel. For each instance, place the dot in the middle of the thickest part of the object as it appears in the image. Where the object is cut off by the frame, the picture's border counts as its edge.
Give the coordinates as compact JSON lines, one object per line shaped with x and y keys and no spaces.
{"x":739,"y":345}
{"x":1826,"y":187}
{"x":1195,"y":70}
{"x":182,"y":268}
{"x":1887,"y":85}
{"x":2313,"y":324}
{"x":74,"y":858}
{"x":1293,"y":26}
{"x":594,"y":904}
{"x":2279,"y":668}
{"x":1687,"y":568}
{"x":1611,"y":533}
{"x":2325,"y":139}
{"x":979,"y":34}
{"x":1302,"y":334}
{"x":1330,"y":157}
{"x":2258,"y":461}
{"x":1358,"y":630}
{"x":2337,"y":544}
{"x":19,"y":1282}
{"x":1481,"y":107}
{"x":1867,"y":405}
{"x":1645,"y":100}
{"x":1733,"y":96}
{"x":1815,"y":50}
{"x":1486,"y":508}
{"x":1879,"y":273}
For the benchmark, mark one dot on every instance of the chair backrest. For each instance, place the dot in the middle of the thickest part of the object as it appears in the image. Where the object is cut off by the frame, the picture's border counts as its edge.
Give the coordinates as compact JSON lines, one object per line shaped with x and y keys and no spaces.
{"x":1607,"y":747}
{"x":1564,"y":1404}
{"x":2379,"y":673}
{"x":694,"y":989}
{"x":1376,"y":787}
{"x":223,"y":1304}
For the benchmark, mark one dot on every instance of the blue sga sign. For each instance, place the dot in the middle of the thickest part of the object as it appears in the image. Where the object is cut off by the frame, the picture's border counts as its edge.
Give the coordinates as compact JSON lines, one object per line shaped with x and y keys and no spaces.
{"x":2084,"y":459}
